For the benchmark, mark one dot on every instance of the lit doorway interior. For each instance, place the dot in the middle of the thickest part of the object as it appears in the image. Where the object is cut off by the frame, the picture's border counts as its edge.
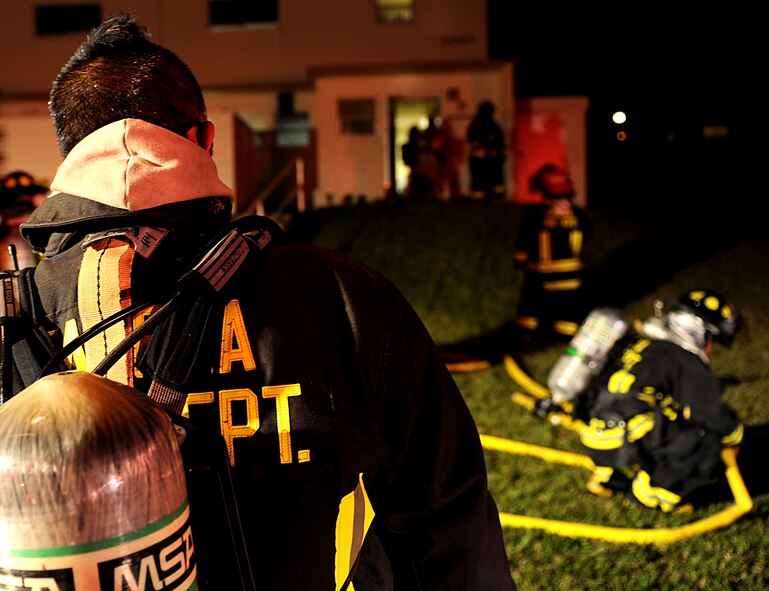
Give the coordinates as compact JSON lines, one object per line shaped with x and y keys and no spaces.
{"x":406,"y":113}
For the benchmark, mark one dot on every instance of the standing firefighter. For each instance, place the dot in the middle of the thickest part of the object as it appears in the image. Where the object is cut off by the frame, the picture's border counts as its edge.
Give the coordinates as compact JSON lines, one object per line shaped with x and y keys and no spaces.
{"x":486,"y":144}
{"x":354,"y":458}
{"x":655,"y":418}
{"x":549,"y":251}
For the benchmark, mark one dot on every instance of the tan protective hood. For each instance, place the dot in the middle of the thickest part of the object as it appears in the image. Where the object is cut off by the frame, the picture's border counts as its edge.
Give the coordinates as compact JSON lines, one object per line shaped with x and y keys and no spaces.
{"x":134,"y":165}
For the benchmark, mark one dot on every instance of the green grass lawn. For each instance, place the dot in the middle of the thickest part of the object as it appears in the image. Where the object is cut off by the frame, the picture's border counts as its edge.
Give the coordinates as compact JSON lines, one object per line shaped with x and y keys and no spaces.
{"x":453,"y":261}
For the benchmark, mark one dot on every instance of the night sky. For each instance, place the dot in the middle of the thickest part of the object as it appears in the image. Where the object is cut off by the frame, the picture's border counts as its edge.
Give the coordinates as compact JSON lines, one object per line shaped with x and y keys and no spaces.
{"x":675,"y":72}
{"x":623,"y":49}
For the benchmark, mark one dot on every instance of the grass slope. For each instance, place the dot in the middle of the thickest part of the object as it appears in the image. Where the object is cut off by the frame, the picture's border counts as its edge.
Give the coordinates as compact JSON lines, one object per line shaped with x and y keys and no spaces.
{"x":453,"y":261}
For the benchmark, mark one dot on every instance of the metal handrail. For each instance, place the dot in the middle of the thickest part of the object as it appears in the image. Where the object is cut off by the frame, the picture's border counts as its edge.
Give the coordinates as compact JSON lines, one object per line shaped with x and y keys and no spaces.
{"x":297,"y":194}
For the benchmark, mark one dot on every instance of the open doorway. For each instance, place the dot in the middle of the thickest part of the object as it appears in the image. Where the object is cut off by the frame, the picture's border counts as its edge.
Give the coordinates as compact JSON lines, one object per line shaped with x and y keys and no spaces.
{"x":405,"y":114}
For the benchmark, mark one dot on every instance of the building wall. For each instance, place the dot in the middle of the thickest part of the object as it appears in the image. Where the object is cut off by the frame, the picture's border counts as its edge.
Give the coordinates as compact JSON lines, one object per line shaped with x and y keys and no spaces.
{"x":308,"y":35}
{"x":242,"y":70}
{"x":347,"y":164}
{"x":320,"y":52}
{"x":27,"y":141}
{"x":359,"y":164}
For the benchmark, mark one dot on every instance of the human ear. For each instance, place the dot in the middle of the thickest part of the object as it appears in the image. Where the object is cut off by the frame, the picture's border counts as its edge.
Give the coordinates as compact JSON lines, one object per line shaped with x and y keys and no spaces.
{"x":206,"y":133}
{"x":203,"y":135}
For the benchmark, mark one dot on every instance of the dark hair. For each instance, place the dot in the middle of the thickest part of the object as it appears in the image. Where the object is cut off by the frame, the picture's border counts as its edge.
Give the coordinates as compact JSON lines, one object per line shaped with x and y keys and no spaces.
{"x":118,"y":73}
{"x":486,"y":109}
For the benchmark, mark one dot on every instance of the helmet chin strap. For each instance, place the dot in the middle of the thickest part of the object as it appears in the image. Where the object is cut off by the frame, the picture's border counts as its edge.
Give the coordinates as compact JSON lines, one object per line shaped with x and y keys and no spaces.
{"x":709,"y":343}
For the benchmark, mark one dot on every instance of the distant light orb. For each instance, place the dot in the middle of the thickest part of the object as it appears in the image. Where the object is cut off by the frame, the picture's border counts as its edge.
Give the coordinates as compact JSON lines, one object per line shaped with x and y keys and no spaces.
{"x":619,"y":117}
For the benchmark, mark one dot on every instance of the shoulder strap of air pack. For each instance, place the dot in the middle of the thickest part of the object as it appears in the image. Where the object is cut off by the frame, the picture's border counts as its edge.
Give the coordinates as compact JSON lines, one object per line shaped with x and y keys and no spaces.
{"x":243,"y":244}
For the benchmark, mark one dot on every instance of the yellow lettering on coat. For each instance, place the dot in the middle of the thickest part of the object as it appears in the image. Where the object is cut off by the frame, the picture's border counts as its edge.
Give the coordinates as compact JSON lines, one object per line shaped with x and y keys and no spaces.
{"x":235,"y":345}
{"x":281,"y":395}
{"x":230,"y":431}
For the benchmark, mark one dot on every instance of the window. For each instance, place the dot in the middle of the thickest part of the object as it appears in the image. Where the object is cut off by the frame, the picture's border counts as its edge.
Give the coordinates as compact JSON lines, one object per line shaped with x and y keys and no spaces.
{"x":242,"y":12}
{"x":395,"y":11}
{"x":293,"y":130}
{"x":357,"y":116}
{"x":65,"y":18}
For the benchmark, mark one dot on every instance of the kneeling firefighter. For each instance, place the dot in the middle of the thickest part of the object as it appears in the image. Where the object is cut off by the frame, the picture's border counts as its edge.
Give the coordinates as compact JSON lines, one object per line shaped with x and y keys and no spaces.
{"x":655,"y":420}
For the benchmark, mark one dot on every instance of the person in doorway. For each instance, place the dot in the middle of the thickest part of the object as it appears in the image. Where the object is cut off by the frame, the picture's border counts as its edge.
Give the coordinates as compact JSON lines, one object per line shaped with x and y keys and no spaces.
{"x":655,"y":417}
{"x":356,"y":462}
{"x":425,"y":154}
{"x":421,"y":183}
{"x":454,"y":151}
{"x":487,"y":154}
{"x":435,"y":143}
{"x":549,"y":251}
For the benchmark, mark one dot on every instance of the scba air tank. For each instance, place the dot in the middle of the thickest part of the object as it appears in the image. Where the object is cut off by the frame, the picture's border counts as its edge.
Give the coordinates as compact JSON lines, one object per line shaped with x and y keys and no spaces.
{"x":93,"y":494}
{"x":586,"y":354}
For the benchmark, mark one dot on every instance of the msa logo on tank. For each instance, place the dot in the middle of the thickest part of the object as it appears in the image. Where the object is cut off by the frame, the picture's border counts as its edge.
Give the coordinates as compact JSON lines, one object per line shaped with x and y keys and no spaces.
{"x":168,"y":564}
{"x":91,"y":499}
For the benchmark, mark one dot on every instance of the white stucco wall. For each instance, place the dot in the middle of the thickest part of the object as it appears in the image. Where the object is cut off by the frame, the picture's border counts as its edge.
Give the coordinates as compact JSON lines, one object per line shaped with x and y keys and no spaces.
{"x":359,"y":164}
{"x":28,"y":143}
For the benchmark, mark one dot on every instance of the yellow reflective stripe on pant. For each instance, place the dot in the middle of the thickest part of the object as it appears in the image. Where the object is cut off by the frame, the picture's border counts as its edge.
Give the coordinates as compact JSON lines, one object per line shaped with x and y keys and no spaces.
{"x":606,"y":435}
{"x":653,"y":496}
{"x":597,"y":435}
{"x":639,"y":426}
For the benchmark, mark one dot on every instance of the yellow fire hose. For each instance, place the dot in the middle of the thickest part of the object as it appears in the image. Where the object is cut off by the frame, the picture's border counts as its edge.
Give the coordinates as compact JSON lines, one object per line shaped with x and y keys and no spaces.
{"x":742,"y":500}
{"x":459,"y":363}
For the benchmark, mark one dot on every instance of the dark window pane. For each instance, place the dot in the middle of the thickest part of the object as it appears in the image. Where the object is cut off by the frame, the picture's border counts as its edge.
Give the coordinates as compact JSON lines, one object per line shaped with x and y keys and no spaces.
{"x":63,"y":19}
{"x":242,"y":12}
{"x":357,"y":116}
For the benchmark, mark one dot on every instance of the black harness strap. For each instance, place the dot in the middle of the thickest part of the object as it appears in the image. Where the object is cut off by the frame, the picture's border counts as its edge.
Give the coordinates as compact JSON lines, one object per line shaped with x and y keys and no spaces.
{"x":24,"y":342}
{"x":243,"y":240}
{"x":178,"y":328}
